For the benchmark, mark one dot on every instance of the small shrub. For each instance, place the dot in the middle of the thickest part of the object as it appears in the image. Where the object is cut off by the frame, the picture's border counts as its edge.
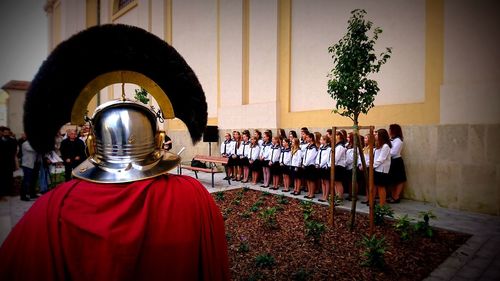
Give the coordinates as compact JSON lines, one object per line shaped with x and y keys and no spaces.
{"x":244,"y":247}
{"x":314,"y":229}
{"x":265,"y":260}
{"x":246,"y":189}
{"x":307,"y":209}
{"x":236,"y":202}
{"x":282,"y":199}
{"x":219,"y":196}
{"x":380,"y":212}
{"x":229,"y":236}
{"x":403,"y":227}
{"x":258,"y":203}
{"x":301,"y":275}
{"x":269,"y":217}
{"x":423,"y":227}
{"x":254,"y":208}
{"x":375,"y":250}
{"x":246,"y":215}
{"x":265,"y":194}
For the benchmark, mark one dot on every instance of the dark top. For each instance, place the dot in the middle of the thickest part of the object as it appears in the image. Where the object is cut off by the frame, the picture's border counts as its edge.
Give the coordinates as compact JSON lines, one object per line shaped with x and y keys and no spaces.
{"x":71,"y":149}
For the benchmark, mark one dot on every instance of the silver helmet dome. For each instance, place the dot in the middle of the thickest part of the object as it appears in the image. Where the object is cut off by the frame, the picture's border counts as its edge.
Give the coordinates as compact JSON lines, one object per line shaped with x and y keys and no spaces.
{"x":125,"y":145}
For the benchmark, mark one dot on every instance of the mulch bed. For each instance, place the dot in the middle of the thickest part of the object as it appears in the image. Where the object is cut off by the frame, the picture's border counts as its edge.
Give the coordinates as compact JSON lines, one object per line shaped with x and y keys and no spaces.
{"x":338,"y":255}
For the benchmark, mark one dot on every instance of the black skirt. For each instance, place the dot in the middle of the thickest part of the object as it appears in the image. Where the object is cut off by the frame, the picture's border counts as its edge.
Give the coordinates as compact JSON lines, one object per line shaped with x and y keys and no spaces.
{"x":381,"y":179}
{"x":397,"y":172}
{"x":231,"y":162}
{"x":244,"y":161}
{"x":296,"y":172}
{"x":324,"y":173}
{"x":286,"y":170}
{"x":310,"y":172}
{"x":275,"y":168}
{"x":339,"y":173}
{"x":255,"y":166}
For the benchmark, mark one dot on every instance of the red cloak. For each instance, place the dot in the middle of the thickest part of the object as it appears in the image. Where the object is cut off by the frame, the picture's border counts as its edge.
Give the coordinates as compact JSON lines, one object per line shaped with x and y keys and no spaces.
{"x":165,"y":228}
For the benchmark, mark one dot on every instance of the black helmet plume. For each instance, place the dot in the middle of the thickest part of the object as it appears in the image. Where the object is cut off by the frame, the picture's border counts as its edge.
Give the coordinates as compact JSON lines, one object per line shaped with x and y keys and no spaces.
{"x":102,"y":49}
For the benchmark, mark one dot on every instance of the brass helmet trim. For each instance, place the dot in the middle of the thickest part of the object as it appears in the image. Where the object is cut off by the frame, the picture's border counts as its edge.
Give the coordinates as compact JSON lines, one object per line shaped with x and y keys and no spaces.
{"x":114,"y":77}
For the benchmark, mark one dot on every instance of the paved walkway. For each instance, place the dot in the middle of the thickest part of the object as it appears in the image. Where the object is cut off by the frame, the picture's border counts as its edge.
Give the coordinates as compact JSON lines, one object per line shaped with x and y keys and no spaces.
{"x":477,"y":259}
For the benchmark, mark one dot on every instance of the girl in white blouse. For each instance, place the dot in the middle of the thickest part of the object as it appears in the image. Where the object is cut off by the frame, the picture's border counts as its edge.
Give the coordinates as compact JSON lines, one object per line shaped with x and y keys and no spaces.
{"x":340,"y":163}
{"x":274,"y":161}
{"x":243,"y":155}
{"x":382,"y":163}
{"x":397,"y":173}
{"x":225,"y":150}
{"x":310,"y":153}
{"x":285,"y":163}
{"x":322,"y":164}
{"x":265,"y":150}
{"x":296,"y":163}
{"x":253,"y":155}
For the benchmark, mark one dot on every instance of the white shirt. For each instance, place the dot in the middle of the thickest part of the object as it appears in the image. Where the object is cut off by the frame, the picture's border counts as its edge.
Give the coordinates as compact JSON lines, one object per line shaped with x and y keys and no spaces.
{"x":252,"y":153}
{"x":349,"y":159}
{"x":226,"y":147}
{"x":286,"y":157}
{"x":244,"y":148}
{"x":274,"y":153}
{"x":382,"y":158}
{"x":235,"y":147}
{"x":340,"y":155}
{"x":303,"y":146}
{"x":323,"y":156}
{"x":397,"y":146}
{"x":310,"y":155}
{"x":296,"y":159}
{"x":265,"y":148}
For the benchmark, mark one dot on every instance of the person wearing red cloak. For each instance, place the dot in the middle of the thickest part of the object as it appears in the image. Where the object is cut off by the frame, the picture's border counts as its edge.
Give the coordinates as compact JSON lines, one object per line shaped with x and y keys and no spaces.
{"x":122,"y":217}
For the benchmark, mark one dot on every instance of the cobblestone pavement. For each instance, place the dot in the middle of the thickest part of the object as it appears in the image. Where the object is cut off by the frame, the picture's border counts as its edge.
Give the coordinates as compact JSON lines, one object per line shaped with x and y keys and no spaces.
{"x":477,"y":259}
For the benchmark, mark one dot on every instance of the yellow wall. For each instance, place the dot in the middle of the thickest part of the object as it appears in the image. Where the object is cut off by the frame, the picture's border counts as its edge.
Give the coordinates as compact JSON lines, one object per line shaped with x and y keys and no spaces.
{"x":417,"y":113}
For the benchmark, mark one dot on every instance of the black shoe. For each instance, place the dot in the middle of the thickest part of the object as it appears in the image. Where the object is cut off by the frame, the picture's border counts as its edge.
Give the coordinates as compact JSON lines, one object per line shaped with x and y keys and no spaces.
{"x":226,"y":178}
{"x":34,"y":196}
{"x":25,"y":198}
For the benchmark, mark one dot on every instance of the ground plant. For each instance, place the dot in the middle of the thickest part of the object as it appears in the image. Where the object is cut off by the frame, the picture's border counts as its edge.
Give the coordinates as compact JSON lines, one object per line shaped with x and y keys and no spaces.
{"x":374,"y":252}
{"x":265,"y":260}
{"x":381,"y":212}
{"x":422,"y":226}
{"x":219,"y":196}
{"x":403,"y":226}
{"x":314,"y":229}
{"x":268,"y":217}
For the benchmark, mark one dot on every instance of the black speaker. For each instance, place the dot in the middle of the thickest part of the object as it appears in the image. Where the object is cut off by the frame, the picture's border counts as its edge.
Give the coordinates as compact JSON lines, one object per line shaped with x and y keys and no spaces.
{"x":211,"y":134}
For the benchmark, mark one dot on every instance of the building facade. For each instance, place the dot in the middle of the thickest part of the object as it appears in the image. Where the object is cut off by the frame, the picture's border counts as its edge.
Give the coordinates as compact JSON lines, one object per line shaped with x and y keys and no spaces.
{"x":264,"y":64}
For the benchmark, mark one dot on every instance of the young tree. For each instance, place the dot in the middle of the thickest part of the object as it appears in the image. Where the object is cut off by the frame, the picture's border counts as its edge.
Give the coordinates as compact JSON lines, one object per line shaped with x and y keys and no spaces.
{"x":354,"y":60}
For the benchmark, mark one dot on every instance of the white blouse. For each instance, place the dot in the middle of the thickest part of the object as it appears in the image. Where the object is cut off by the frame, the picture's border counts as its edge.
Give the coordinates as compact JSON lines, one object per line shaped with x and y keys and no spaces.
{"x":382,"y":158}
{"x":340,"y":155}
{"x":323,"y":158}
{"x":296,"y":160}
{"x":397,"y":146}
{"x":310,"y":154}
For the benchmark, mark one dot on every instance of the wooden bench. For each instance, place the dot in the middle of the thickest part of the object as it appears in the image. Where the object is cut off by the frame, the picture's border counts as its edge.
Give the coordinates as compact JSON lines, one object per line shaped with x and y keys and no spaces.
{"x":212,"y":164}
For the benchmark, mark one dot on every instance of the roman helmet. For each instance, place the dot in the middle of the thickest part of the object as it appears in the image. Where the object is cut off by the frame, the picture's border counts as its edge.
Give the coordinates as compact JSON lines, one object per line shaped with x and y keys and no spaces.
{"x":125,"y":142}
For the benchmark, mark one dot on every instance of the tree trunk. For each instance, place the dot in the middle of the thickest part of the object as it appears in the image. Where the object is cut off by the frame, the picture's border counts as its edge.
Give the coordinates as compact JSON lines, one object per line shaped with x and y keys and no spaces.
{"x":354,"y":183}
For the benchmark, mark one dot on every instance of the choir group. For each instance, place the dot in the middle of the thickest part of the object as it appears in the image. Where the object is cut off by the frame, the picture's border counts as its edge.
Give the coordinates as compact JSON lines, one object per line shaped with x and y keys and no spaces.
{"x":307,"y":161}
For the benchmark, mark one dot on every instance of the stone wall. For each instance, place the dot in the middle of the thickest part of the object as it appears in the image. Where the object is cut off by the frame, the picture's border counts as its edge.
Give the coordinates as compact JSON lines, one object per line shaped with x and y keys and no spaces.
{"x":452,"y":166}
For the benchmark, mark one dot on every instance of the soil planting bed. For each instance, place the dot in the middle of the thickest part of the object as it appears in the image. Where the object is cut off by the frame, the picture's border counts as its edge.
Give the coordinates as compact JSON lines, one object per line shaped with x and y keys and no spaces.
{"x":263,"y":249}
